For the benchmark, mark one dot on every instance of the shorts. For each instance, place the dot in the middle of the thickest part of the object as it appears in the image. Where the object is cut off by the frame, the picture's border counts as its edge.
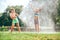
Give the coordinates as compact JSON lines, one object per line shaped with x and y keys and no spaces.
{"x":15,"y":21}
{"x":36,"y":20}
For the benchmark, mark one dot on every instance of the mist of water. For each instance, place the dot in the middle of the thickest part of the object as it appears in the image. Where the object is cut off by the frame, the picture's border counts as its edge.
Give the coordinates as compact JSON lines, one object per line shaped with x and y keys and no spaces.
{"x":45,"y":16}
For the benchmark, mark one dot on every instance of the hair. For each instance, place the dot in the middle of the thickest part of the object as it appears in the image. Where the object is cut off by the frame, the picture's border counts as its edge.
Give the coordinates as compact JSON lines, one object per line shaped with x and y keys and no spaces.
{"x":11,"y":9}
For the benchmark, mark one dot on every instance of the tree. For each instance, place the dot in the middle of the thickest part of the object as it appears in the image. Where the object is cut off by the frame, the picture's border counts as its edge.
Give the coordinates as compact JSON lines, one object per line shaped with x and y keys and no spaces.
{"x":18,"y":9}
{"x":58,"y":15}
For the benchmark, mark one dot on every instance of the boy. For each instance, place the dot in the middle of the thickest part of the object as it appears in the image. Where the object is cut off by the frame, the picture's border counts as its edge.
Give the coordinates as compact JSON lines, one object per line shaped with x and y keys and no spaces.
{"x":13,"y":16}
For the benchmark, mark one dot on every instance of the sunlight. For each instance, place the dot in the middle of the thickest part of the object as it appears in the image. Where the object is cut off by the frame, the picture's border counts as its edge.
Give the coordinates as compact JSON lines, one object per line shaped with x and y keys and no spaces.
{"x":4,"y":4}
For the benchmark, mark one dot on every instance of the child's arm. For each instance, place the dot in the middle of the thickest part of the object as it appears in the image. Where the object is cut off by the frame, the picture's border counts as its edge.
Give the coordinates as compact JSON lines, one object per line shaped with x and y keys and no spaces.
{"x":35,"y":9}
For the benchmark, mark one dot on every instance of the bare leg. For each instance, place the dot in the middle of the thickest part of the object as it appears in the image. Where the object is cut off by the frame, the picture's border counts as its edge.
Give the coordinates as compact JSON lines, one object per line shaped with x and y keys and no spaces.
{"x":18,"y":27}
{"x":12,"y":27}
{"x":36,"y":23}
{"x":37,"y":27}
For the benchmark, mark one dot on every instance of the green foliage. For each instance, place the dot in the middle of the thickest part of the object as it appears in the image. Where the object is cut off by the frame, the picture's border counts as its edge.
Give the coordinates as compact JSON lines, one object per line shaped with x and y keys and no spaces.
{"x":58,"y":15}
{"x":3,"y":28}
{"x":0,"y":14}
{"x":18,"y":9}
{"x":5,"y":20}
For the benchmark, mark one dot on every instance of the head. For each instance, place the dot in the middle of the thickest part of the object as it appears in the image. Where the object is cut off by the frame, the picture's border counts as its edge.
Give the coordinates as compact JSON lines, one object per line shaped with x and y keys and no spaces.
{"x":12,"y":10}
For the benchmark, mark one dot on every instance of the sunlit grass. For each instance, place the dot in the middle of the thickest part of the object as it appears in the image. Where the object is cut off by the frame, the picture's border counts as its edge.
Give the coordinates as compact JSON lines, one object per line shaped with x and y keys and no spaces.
{"x":28,"y":36}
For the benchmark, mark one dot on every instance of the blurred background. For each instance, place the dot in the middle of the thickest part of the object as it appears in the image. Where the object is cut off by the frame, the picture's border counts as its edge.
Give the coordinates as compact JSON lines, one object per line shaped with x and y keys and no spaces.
{"x":19,"y":5}
{"x":5,"y":6}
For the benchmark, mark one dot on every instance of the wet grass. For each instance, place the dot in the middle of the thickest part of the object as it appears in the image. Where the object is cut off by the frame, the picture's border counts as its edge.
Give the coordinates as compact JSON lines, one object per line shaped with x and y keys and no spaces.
{"x":28,"y":36}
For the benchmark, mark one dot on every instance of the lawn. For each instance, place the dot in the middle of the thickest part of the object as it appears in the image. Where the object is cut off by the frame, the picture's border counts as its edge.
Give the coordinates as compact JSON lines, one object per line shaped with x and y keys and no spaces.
{"x":28,"y":36}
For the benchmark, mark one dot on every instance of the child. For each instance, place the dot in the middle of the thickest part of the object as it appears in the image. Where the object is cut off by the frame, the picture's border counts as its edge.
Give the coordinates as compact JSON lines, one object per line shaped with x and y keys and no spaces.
{"x":36,"y":11}
{"x":36,"y":19}
{"x":13,"y":16}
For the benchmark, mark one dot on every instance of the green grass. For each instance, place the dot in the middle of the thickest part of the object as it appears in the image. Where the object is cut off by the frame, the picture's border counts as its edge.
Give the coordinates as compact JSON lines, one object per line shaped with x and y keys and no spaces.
{"x":28,"y":36}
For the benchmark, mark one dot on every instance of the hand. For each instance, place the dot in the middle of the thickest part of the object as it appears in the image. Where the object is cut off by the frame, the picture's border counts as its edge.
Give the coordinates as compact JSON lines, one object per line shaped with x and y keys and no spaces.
{"x":37,"y":10}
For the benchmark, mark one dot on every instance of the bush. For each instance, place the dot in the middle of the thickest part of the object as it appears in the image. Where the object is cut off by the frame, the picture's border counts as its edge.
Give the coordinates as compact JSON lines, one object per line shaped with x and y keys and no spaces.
{"x":3,"y":28}
{"x":58,"y":15}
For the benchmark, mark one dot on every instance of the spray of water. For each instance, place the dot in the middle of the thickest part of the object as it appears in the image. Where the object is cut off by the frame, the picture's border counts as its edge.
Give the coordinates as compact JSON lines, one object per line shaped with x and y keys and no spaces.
{"x":45,"y":15}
